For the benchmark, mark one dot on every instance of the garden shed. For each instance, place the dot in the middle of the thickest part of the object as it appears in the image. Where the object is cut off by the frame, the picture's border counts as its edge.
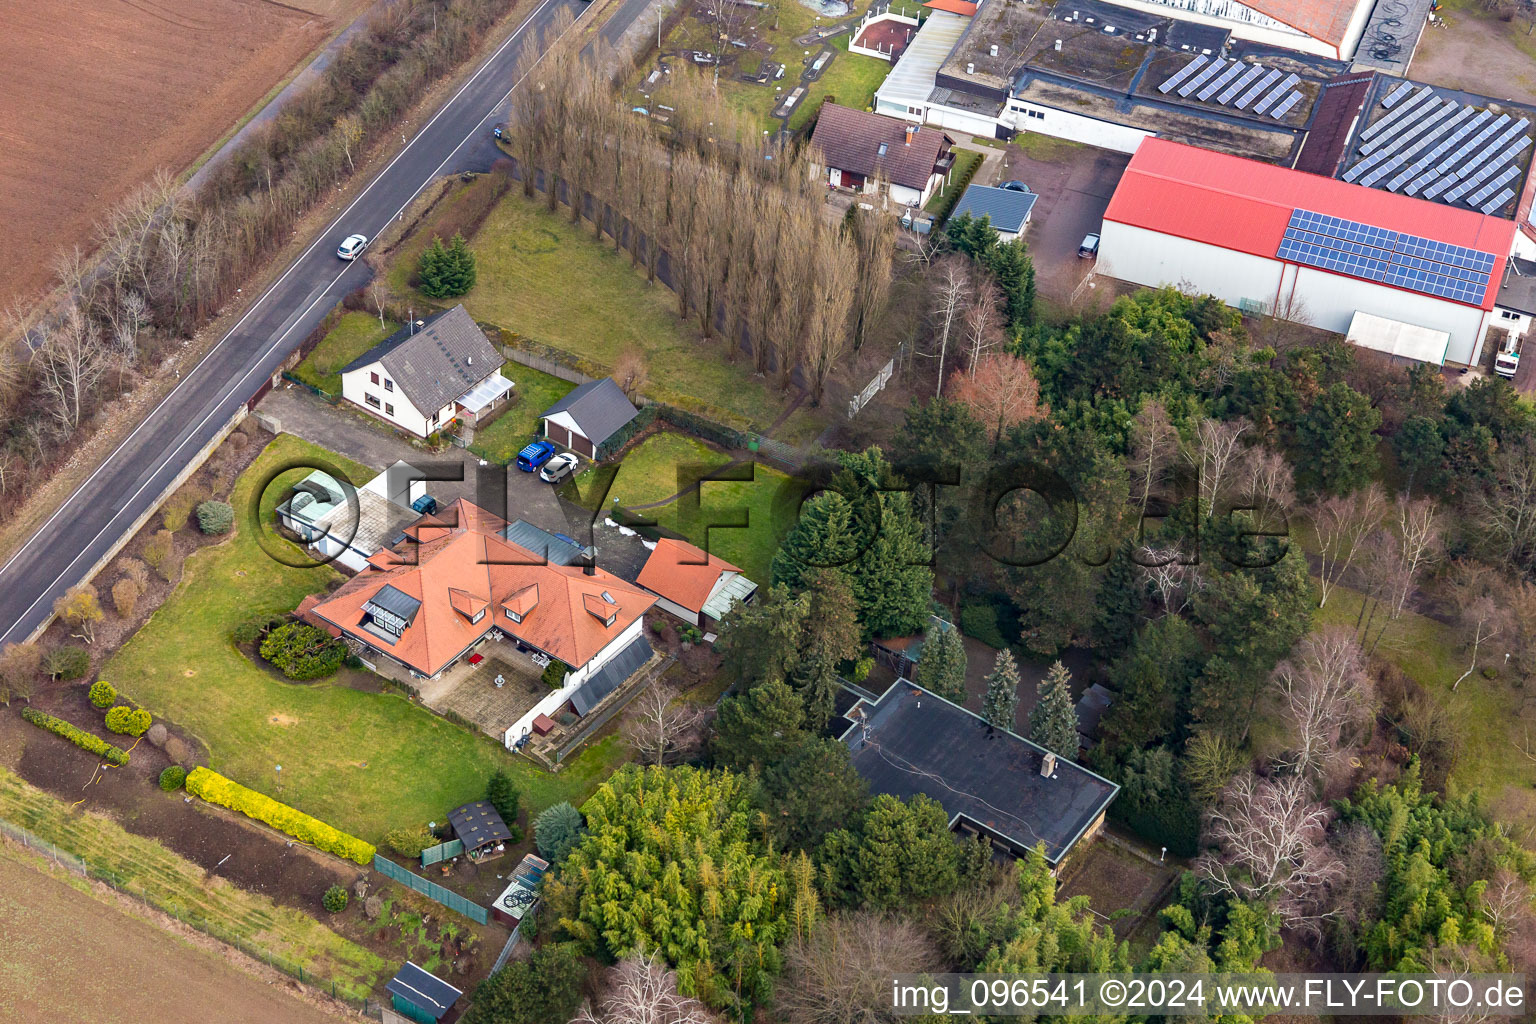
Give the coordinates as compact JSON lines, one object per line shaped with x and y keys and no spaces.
{"x":421,"y":996}
{"x":480,"y":829}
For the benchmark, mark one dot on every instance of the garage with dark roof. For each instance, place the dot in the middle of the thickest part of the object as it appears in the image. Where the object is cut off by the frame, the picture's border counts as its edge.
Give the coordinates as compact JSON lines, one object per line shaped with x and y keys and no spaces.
{"x":588,"y":416}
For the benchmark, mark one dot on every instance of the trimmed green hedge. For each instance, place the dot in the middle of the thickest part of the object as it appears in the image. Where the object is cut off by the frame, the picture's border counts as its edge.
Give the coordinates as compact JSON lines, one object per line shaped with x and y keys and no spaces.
{"x":129,"y":721}
{"x":216,"y":789}
{"x":79,"y":737}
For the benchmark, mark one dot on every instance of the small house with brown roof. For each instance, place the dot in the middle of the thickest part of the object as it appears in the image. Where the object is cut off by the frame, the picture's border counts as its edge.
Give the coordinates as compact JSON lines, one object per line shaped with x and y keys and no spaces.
{"x":429,"y":373}
{"x":697,"y":587}
{"x":857,"y":149}
{"x":456,"y":580}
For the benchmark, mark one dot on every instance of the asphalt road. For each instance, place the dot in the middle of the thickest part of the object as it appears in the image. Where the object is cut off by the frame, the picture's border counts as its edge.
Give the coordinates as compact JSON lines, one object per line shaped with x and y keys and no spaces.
{"x":127,"y":484}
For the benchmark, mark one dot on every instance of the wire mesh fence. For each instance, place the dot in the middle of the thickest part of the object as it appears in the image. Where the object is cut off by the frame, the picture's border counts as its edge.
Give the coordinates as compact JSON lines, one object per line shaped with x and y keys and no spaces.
{"x":187,"y":915}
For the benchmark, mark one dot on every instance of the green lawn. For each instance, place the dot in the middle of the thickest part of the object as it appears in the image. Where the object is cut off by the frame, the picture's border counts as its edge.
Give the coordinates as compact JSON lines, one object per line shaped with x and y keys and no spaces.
{"x":547,"y":280}
{"x":536,"y":391}
{"x":850,"y":80}
{"x":365,"y":762}
{"x":165,"y":879}
{"x":649,"y":474}
{"x":944,"y":200}
{"x":1489,"y":711}
{"x":354,"y":334}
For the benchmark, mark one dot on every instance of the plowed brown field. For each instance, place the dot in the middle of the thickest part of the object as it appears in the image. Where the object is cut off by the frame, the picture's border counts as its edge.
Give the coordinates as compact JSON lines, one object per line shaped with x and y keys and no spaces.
{"x":69,"y":957}
{"x":97,"y":94}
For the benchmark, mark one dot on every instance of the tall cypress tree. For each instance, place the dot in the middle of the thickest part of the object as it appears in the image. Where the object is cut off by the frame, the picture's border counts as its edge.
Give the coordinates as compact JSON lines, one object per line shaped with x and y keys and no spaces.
{"x":1002,"y":701}
{"x":1053,"y":720}
{"x":941,"y":669}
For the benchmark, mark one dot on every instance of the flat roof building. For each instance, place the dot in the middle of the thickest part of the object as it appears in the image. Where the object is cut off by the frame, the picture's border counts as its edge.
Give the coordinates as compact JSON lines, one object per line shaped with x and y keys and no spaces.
{"x":990,"y":781}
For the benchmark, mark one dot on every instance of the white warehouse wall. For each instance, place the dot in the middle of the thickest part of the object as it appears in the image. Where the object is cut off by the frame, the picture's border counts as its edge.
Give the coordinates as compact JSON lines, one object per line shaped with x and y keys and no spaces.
{"x":1064,"y":124}
{"x":1329,"y":300}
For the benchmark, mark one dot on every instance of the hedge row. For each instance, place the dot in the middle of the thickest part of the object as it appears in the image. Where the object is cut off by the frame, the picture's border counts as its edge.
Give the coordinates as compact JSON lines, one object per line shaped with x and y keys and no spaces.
{"x":216,"y":789}
{"x":79,"y":737}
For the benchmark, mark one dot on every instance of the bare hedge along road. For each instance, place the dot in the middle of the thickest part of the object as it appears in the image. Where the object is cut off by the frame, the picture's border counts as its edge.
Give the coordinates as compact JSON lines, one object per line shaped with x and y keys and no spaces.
{"x":130,"y":481}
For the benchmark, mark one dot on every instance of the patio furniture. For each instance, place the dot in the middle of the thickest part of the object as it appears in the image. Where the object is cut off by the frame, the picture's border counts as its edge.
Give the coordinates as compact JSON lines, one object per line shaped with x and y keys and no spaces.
{"x":475,"y":659}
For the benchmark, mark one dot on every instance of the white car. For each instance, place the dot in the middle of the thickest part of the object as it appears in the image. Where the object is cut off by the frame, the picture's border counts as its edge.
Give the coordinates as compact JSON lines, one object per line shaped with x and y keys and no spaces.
{"x":353,"y":247}
{"x":558,"y":468}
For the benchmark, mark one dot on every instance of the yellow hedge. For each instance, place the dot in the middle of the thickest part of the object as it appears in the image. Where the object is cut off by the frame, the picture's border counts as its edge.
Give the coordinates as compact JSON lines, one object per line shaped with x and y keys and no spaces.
{"x":216,"y":789}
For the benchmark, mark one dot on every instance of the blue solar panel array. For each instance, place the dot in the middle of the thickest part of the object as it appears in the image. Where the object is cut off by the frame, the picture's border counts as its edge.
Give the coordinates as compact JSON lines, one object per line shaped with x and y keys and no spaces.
{"x":1391,"y":257}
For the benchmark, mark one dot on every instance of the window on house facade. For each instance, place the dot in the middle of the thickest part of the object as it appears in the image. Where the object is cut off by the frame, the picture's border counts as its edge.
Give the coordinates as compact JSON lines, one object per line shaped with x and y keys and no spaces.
{"x":1507,"y":315}
{"x":373,"y":377}
{"x":514,"y":616}
{"x":389,"y":410}
{"x":372,"y":400}
{"x":389,"y":385}
{"x":1035,"y":113}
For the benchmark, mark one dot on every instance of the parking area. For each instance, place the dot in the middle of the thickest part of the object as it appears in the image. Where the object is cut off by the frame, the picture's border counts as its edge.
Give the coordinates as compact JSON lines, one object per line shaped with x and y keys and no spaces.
{"x":1075,"y":183}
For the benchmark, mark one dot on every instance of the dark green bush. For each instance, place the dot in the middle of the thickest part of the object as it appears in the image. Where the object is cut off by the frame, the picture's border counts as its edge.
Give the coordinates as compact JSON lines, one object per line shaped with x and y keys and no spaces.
{"x":556,"y":830}
{"x":980,"y":621}
{"x":409,"y":842}
{"x":69,"y":662}
{"x":335,"y":899}
{"x":172,"y":778}
{"x":445,"y":271}
{"x":302,"y":651}
{"x":502,"y":795}
{"x":102,"y":694}
{"x":554,"y":674}
{"x":79,"y":737}
{"x":215,"y":517}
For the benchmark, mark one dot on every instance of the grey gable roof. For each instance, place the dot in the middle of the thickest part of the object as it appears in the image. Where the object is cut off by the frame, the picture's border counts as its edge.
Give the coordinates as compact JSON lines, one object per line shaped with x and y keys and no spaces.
{"x":1007,"y":208}
{"x":444,"y":358}
{"x":598,"y":407}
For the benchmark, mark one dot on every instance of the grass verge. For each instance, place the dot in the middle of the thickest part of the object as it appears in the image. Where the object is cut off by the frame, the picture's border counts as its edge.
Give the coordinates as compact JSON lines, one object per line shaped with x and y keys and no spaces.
{"x":850,"y":80}
{"x":363,"y":761}
{"x":354,"y":334}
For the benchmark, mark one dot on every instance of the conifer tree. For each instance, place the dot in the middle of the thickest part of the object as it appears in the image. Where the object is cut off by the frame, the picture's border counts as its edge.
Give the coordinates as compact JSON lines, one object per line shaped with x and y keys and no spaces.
{"x":941,"y":669}
{"x":1002,"y":701}
{"x":1053,"y":720}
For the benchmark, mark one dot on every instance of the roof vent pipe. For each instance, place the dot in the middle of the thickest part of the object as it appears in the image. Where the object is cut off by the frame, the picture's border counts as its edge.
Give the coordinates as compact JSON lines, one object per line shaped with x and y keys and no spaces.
{"x":993,"y":50}
{"x":970,"y":69}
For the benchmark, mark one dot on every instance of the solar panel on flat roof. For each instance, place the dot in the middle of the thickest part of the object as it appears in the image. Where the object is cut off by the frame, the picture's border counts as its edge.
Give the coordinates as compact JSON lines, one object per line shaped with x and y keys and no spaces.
{"x":1253,"y":72}
{"x":1263,"y":84}
{"x":1430,"y":147}
{"x":1462,"y":125}
{"x":1221,"y":80}
{"x":1498,"y":201}
{"x":1396,"y":95}
{"x":1482,"y":194}
{"x":1280,"y":90}
{"x":1289,"y":102}
{"x":1181,"y":74}
{"x":1204,"y":76}
{"x":1494,"y":154}
{"x":1476,"y":181}
{"x":1374,"y":129}
{"x":1421,"y":118}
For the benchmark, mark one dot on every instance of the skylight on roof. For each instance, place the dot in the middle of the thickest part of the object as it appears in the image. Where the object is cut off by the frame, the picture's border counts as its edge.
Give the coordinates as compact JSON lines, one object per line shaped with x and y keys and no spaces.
{"x":883,"y":147}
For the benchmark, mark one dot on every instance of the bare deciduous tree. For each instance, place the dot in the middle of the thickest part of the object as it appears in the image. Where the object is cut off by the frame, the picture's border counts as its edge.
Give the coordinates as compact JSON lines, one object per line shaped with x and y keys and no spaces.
{"x":1213,"y":455}
{"x":660,"y":725}
{"x":1154,"y":445}
{"x":1325,"y":691}
{"x":1341,"y":525}
{"x":844,"y":969}
{"x":951,"y":282}
{"x":983,"y":319}
{"x":641,"y":989}
{"x":630,"y":371}
{"x":873,"y":236}
{"x":1270,"y":844}
{"x":826,"y":334}
{"x":1480,"y":598}
{"x":1171,"y":576}
{"x":70,"y":360}
{"x":1502,"y":512}
{"x":1001,"y":391}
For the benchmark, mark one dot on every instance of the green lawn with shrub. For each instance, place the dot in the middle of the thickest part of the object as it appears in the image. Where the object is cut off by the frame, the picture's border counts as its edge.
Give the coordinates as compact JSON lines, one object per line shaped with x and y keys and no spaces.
{"x":508,"y":433}
{"x":544,"y":279}
{"x":850,"y":81}
{"x":361,"y":761}
{"x":648,"y":473}
{"x":354,"y":334}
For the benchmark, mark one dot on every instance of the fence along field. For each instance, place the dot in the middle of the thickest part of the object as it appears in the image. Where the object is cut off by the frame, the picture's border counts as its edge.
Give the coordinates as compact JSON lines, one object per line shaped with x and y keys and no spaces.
{"x":99,"y":96}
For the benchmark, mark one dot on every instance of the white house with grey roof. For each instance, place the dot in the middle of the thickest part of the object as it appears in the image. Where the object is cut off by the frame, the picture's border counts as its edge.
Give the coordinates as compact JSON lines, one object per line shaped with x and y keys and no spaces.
{"x":429,"y":373}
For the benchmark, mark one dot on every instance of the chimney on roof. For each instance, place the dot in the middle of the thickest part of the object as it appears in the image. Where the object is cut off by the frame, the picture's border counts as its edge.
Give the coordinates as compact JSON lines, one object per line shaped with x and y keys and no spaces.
{"x":911,"y":131}
{"x":992,"y":50}
{"x":1048,"y":765}
{"x":970,"y":68}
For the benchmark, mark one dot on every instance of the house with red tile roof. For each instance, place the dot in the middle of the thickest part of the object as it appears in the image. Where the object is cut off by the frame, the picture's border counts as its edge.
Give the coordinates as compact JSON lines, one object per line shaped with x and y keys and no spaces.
{"x":456,"y":580}
{"x":698,"y":588}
